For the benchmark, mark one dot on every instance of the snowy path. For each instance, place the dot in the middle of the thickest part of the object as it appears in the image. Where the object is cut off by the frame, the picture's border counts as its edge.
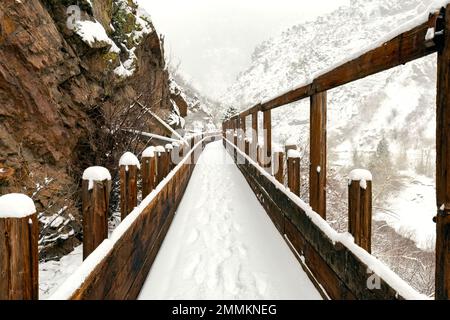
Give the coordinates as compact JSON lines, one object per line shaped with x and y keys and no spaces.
{"x":222,"y":245}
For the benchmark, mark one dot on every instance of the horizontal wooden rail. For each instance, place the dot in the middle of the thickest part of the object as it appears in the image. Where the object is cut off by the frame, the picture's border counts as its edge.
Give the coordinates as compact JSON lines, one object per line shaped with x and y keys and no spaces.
{"x":403,"y":48}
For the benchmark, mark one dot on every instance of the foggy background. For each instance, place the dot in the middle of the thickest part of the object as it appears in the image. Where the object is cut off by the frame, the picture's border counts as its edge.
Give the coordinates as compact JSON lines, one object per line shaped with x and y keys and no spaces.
{"x":213,"y":40}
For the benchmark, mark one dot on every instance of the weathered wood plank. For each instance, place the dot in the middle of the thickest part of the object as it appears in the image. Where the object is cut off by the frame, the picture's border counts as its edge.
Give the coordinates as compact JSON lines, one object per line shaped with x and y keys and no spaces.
{"x":95,"y":208}
{"x":360,"y":214}
{"x":19,"y":258}
{"x":318,"y":153}
{"x":267,"y":160}
{"x":128,"y":189}
{"x":443,"y":168}
{"x":293,"y":168}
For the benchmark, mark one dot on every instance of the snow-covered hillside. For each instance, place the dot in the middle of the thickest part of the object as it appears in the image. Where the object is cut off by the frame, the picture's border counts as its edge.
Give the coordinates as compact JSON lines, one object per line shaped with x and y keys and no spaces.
{"x":395,"y":109}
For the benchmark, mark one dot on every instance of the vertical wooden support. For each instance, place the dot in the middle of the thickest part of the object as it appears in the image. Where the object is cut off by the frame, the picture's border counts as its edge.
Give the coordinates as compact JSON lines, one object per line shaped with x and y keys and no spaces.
{"x":318,"y":153}
{"x":443,"y":167}
{"x":293,"y":165}
{"x":192,"y":149}
{"x":19,"y":230}
{"x":170,"y":163}
{"x":96,"y":190}
{"x":129,"y":166}
{"x":267,"y":156}
{"x":148,"y":171}
{"x":360,"y":208}
{"x":255,"y":137}
{"x":278,"y":166}
{"x":243,"y":132}
{"x":247,"y":147}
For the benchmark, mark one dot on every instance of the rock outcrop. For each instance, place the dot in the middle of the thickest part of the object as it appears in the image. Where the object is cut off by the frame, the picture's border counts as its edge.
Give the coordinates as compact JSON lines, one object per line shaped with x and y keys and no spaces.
{"x":61,"y":80}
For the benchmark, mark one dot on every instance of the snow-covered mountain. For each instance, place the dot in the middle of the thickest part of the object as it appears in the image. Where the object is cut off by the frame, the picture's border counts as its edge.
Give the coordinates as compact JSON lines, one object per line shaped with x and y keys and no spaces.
{"x":396,"y":107}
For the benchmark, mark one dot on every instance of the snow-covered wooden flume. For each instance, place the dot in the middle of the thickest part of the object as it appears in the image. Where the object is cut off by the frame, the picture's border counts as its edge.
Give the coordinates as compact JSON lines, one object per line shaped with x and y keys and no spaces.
{"x":115,"y":266}
{"x":342,"y":265}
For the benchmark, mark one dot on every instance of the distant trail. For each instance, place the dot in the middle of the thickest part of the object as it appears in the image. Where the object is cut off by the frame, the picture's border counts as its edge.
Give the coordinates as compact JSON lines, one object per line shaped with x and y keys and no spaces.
{"x":222,"y":245}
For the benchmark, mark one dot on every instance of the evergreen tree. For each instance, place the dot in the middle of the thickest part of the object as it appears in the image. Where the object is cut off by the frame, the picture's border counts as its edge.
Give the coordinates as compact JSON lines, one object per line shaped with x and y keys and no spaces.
{"x":381,"y":163}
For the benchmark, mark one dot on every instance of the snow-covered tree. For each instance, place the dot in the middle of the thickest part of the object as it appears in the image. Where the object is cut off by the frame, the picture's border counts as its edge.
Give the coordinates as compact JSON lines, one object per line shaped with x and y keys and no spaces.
{"x":230,"y":112}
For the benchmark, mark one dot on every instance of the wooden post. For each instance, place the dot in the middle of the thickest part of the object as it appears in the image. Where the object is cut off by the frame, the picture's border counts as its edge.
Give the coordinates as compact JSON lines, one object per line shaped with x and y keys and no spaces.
{"x":278,"y":165}
{"x":247,"y":147}
{"x":160,"y":164}
{"x":360,"y":208}
{"x":148,"y":171}
{"x":294,"y":172}
{"x":318,"y":153}
{"x":19,"y":229}
{"x":267,"y":156}
{"x":255,"y":135}
{"x":443,"y":167}
{"x":192,"y":149}
{"x":96,"y":190}
{"x":170,"y":164}
{"x":129,"y":166}
{"x":244,"y":132}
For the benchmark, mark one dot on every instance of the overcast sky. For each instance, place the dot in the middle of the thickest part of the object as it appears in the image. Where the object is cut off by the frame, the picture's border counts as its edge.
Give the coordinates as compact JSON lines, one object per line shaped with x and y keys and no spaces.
{"x":214,"y":39}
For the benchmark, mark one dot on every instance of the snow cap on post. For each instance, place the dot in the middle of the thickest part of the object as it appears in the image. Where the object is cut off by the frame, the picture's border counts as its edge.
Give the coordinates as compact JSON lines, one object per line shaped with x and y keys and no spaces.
{"x":149,"y":152}
{"x":160,"y":149}
{"x":16,"y":206}
{"x":294,"y":154}
{"x":169,"y":146}
{"x":360,"y":175}
{"x":129,"y":159}
{"x":96,"y":174}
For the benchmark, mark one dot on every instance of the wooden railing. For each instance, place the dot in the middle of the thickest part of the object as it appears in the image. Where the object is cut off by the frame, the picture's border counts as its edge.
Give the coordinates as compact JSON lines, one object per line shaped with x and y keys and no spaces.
{"x":114,"y":267}
{"x":339,"y":270}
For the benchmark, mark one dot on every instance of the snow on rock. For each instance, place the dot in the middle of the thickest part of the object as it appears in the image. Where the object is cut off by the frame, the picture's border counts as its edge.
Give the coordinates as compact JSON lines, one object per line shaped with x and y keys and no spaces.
{"x":360,"y":175}
{"x":96,"y":174}
{"x":16,"y":205}
{"x":169,"y":146}
{"x":129,"y":159}
{"x":149,"y":152}
{"x":93,"y":33}
{"x":294,"y":154}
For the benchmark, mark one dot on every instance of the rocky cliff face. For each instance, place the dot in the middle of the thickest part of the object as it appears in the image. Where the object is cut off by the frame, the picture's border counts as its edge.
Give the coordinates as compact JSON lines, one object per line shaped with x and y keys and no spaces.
{"x":60,"y":82}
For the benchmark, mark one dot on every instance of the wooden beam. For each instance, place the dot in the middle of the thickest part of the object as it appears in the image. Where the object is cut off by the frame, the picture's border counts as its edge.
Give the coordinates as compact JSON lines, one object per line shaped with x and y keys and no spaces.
{"x":404,"y":48}
{"x":255,"y":133}
{"x":19,"y":261}
{"x":293,"y":168}
{"x":318,"y":153}
{"x":268,"y":139}
{"x":95,"y":207}
{"x":360,"y":213}
{"x":443,"y":168}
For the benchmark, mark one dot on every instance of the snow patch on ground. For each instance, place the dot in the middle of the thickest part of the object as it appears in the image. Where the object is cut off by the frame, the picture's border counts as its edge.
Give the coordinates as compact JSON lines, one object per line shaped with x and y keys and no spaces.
{"x":52,"y":274}
{"x":410,"y":212}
